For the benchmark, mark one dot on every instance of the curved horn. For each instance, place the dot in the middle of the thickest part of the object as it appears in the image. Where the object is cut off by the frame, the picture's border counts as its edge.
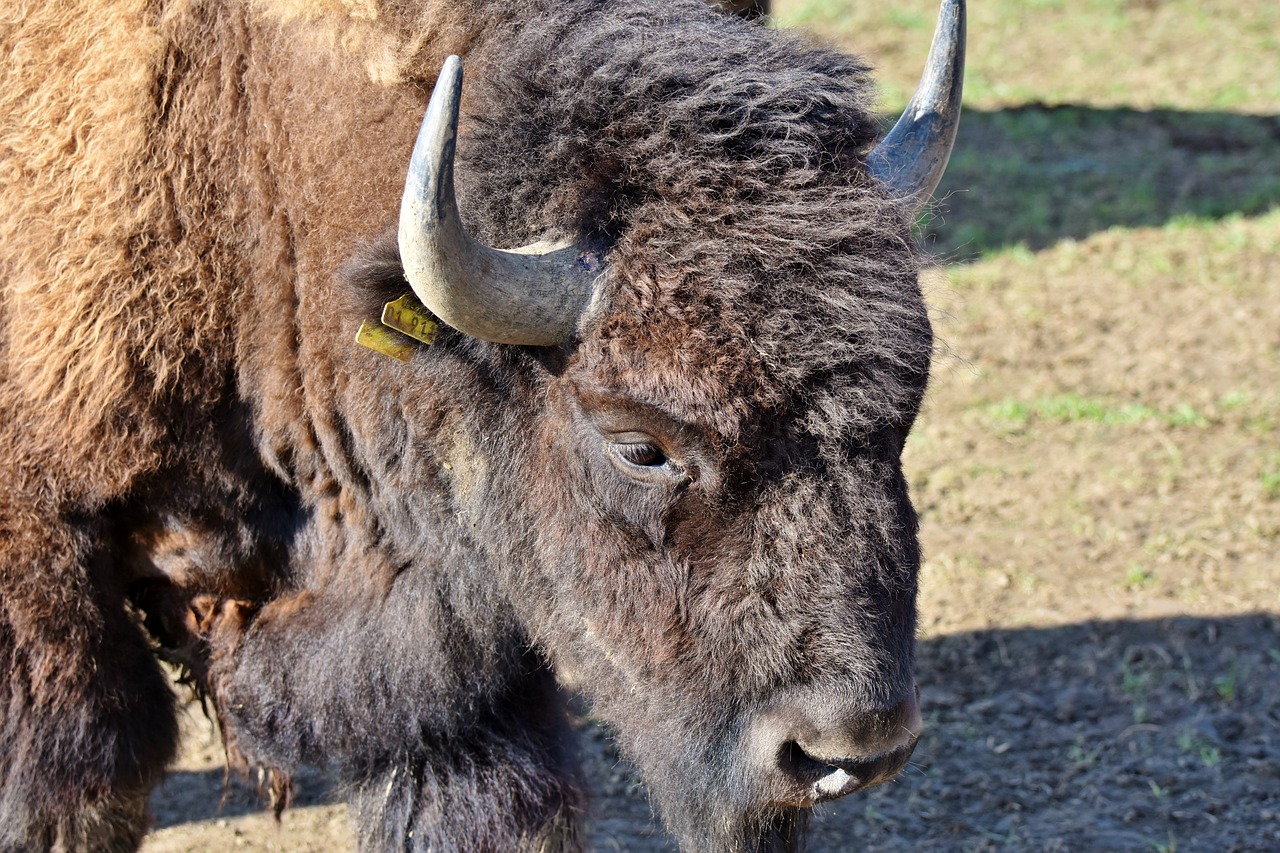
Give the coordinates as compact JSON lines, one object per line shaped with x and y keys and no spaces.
{"x":913,"y":156}
{"x":533,"y":295}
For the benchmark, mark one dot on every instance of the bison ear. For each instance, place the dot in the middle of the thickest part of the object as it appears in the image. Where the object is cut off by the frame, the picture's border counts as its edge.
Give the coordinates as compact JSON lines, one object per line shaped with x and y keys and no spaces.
{"x":910,"y":160}
{"x":533,"y":295}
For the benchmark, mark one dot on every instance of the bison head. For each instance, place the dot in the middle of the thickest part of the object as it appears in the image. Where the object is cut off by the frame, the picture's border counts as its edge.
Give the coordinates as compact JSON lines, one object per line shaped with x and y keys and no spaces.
{"x":693,"y":488}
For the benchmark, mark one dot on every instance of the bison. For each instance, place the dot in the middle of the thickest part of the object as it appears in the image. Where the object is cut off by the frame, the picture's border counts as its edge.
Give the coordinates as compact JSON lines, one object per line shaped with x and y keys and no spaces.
{"x":651,"y":455}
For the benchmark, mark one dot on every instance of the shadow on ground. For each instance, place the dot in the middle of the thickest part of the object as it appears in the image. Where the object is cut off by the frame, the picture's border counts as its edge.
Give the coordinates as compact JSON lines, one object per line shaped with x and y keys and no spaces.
{"x":1110,"y":736}
{"x":1035,"y":175}
{"x":190,"y":796}
{"x":1155,"y":735}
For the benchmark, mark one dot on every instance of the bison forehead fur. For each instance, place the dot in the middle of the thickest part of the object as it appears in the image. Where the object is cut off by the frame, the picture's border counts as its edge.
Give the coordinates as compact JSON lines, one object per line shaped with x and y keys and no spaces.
{"x":693,"y":512}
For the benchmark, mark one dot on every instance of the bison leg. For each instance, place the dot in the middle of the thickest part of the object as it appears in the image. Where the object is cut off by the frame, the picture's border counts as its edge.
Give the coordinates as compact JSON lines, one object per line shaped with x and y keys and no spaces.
{"x":87,"y":721}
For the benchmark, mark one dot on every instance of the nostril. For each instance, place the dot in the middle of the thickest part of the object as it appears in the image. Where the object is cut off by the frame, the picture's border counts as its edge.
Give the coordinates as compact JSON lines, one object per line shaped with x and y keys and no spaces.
{"x":828,"y":777}
{"x":823,"y":748}
{"x":824,"y":779}
{"x":795,"y":762}
{"x":801,"y":763}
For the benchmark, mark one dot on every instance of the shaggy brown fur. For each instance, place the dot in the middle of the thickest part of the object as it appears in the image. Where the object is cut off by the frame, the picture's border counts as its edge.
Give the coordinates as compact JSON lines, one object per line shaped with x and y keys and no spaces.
{"x":383,"y":567}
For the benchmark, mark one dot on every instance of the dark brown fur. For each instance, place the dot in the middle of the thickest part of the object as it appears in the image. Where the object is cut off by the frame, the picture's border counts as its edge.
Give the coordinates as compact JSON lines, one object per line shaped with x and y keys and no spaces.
{"x":382,"y":567}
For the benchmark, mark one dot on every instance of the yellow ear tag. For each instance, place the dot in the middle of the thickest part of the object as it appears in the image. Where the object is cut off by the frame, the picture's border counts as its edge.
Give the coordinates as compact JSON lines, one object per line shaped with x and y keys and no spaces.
{"x":409,"y":316}
{"x":384,"y":340}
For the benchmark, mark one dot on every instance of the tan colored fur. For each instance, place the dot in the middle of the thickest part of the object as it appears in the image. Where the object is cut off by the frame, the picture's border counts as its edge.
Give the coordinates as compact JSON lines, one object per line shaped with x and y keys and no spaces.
{"x":392,"y":40}
{"x":75,"y":108}
{"x":99,"y":319}
{"x":357,"y":27}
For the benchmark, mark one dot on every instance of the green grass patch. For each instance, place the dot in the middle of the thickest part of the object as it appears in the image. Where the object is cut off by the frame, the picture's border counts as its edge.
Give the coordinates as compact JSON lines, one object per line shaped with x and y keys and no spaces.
{"x":1138,"y":577}
{"x":820,"y":16}
{"x":1070,"y":408}
{"x":1271,"y":477}
{"x":1227,"y":684}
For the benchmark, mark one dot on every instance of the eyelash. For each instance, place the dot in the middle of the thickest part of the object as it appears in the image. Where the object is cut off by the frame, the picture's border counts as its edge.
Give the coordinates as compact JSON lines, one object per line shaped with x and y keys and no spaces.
{"x":642,"y":455}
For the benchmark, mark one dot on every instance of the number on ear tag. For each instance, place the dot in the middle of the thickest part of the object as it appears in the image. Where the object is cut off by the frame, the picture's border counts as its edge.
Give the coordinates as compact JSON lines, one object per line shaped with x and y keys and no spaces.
{"x":409,"y":316}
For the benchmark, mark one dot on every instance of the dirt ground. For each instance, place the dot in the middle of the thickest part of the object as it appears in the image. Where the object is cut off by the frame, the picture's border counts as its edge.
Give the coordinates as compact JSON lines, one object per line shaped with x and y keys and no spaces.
{"x":1098,"y":475}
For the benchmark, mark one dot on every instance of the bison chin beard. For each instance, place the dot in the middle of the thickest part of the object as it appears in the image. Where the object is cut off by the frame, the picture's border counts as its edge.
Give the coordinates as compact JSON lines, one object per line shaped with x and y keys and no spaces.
{"x":783,"y":832}
{"x":715,"y":824}
{"x":699,"y":782}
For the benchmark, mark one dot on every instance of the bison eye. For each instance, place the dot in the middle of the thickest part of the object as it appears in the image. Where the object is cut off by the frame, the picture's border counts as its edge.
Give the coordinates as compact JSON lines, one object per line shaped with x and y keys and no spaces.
{"x":644,"y":454}
{"x":643,"y":458}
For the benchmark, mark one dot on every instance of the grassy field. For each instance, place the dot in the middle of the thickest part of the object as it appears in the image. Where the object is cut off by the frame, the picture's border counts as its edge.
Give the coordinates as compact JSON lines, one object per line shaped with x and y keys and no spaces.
{"x":1098,"y":464}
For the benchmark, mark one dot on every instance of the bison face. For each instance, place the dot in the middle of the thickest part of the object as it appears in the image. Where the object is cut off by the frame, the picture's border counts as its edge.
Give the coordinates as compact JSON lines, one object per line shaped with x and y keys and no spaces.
{"x":694,"y":493}
{"x":730,"y":577}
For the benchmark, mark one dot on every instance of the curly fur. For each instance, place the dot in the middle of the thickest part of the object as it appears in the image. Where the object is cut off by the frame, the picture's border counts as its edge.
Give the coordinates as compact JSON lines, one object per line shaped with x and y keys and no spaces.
{"x":384,"y":568}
